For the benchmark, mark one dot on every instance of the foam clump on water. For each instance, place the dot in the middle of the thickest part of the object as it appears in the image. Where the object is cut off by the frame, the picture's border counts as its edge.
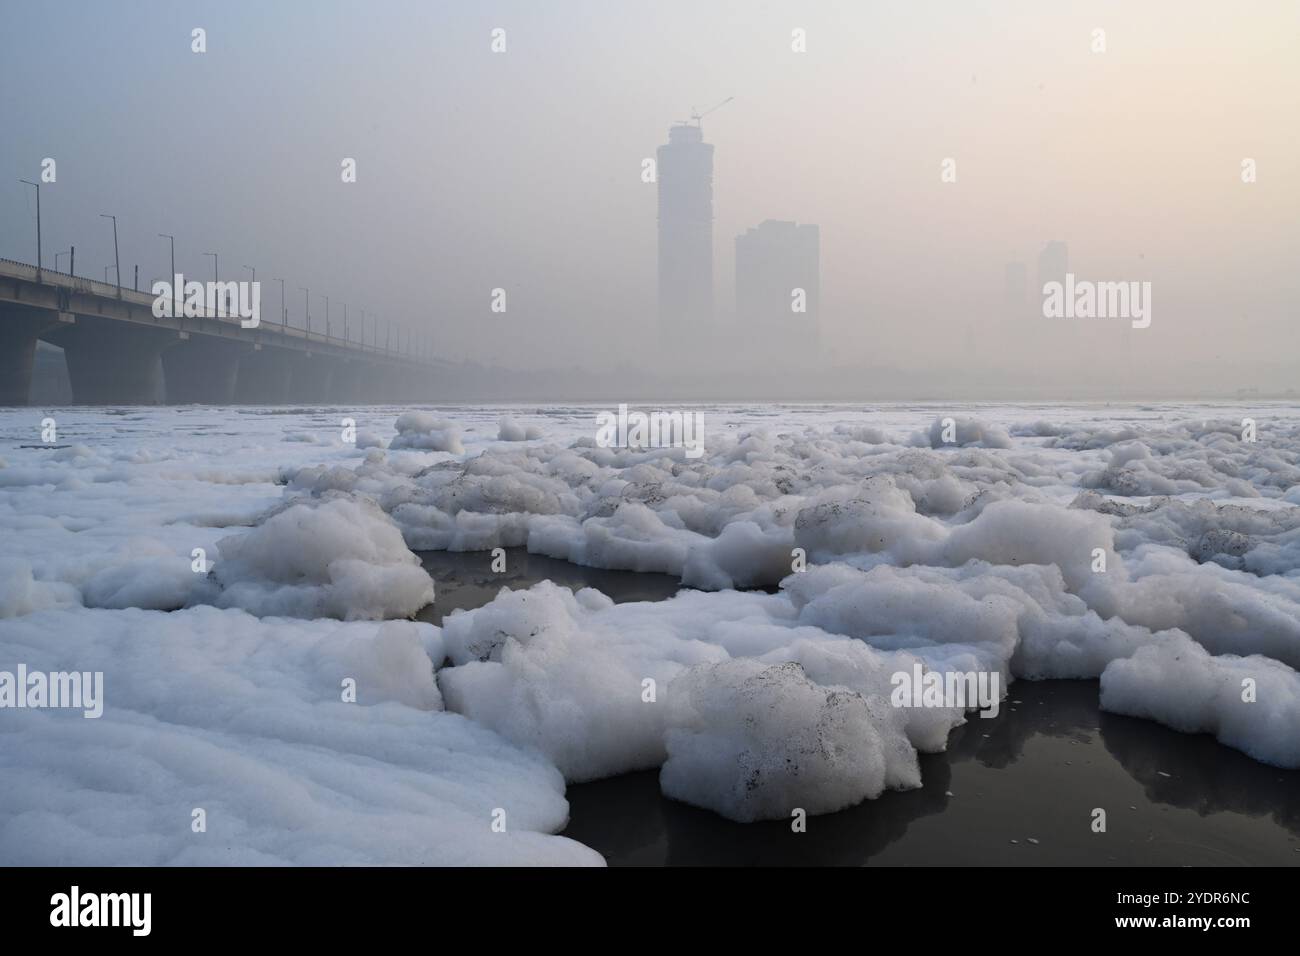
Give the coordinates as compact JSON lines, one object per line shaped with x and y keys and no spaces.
{"x":1251,"y":703}
{"x":427,"y":432}
{"x":247,"y":721}
{"x":144,"y":574}
{"x":865,"y":518}
{"x":510,"y":430}
{"x":966,"y":431}
{"x":336,"y":556}
{"x":597,"y":687}
{"x":756,"y":741}
{"x":543,"y":668}
{"x":21,"y":593}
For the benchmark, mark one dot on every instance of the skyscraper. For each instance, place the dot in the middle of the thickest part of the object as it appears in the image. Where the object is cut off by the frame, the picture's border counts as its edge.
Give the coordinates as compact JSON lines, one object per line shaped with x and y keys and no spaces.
{"x":778,"y":282}
{"x":1053,"y":264}
{"x":685,"y":172}
{"x":1016,"y":297}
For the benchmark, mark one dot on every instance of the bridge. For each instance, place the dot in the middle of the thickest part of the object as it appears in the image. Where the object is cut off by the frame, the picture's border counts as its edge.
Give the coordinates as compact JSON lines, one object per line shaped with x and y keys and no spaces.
{"x":119,"y":353}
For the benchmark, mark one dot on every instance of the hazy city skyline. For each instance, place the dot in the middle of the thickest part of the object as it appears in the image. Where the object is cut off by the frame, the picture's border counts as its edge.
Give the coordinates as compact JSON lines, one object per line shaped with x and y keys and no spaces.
{"x":522,"y":170}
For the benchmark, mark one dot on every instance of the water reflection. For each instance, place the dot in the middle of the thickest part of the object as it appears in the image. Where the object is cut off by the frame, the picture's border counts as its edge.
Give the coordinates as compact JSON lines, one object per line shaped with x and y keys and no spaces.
{"x":465,"y":580}
{"x":1199,"y":774}
{"x":1023,"y":786}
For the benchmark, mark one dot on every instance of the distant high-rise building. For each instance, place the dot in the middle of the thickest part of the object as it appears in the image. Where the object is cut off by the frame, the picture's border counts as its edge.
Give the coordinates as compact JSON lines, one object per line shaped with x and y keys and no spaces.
{"x":685,"y":172}
{"x":777,"y":270}
{"x":1015,"y":291}
{"x":1053,"y":264}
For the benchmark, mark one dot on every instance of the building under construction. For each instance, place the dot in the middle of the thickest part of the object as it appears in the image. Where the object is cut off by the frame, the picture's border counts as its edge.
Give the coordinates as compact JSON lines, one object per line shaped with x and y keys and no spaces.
{"x":685,"y":173}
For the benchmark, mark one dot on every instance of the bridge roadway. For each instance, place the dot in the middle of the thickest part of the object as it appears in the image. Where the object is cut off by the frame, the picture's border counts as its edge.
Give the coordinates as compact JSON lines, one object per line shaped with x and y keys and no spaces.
{"x":119,"y":353}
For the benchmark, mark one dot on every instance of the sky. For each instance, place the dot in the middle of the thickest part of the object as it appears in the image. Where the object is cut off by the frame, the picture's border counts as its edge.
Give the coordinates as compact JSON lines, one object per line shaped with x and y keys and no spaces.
{"x":522,"y":170}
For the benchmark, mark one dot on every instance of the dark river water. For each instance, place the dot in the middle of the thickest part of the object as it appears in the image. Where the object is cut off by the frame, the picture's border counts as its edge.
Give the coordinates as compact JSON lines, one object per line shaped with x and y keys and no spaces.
{"x":1020,"y":788}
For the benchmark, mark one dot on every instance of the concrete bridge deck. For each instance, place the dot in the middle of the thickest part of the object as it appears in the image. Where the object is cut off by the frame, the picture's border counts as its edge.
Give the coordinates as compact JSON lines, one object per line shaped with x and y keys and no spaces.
{"x":118,"y":352}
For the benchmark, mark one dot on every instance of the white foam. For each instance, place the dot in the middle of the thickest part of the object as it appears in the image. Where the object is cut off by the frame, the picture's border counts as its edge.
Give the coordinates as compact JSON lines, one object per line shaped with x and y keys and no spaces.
{"x":244,"y":720}
{"x":1251,"y":703}
{"x":332,"y":557}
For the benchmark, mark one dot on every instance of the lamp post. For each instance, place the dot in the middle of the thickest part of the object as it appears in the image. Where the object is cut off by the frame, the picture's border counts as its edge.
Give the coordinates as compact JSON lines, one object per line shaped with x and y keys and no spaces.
{"x":306,"y":309}
{"x":38,"y":223}
{"x":215,"y":278}
{"x":175,"y":291}
{"x":284,"y":315}
{"x":117,"y":262}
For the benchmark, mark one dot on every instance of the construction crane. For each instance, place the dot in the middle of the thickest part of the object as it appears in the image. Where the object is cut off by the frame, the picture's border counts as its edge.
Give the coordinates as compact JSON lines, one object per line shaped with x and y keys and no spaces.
{"x":699,"y":116}
{"x":696,"y":116}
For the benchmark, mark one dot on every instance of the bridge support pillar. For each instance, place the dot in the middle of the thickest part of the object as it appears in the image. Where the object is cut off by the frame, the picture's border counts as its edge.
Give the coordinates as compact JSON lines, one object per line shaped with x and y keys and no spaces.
{"x":415,"y":385}
{"x":20,"y":327}
{"x":202,"y":370}
{"x":353,"y":381}
{"x":392,"y":384}
{"x":311,"y":378}
{"x":376,"y":386}
{"x":264,"y":376}
{"x":112,"y":363}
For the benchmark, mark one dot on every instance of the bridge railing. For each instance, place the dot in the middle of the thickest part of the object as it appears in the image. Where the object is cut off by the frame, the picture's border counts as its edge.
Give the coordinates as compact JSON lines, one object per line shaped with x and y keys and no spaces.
{"x":25,"y":270}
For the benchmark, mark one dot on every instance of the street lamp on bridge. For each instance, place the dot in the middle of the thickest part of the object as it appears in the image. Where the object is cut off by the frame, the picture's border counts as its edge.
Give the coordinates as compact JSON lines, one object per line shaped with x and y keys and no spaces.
{"x":284,"y":313}
{"x":172,"y":279}
{"x":117,"y":262}
{"x":38,"y":220}
{"x":306,"y":308}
